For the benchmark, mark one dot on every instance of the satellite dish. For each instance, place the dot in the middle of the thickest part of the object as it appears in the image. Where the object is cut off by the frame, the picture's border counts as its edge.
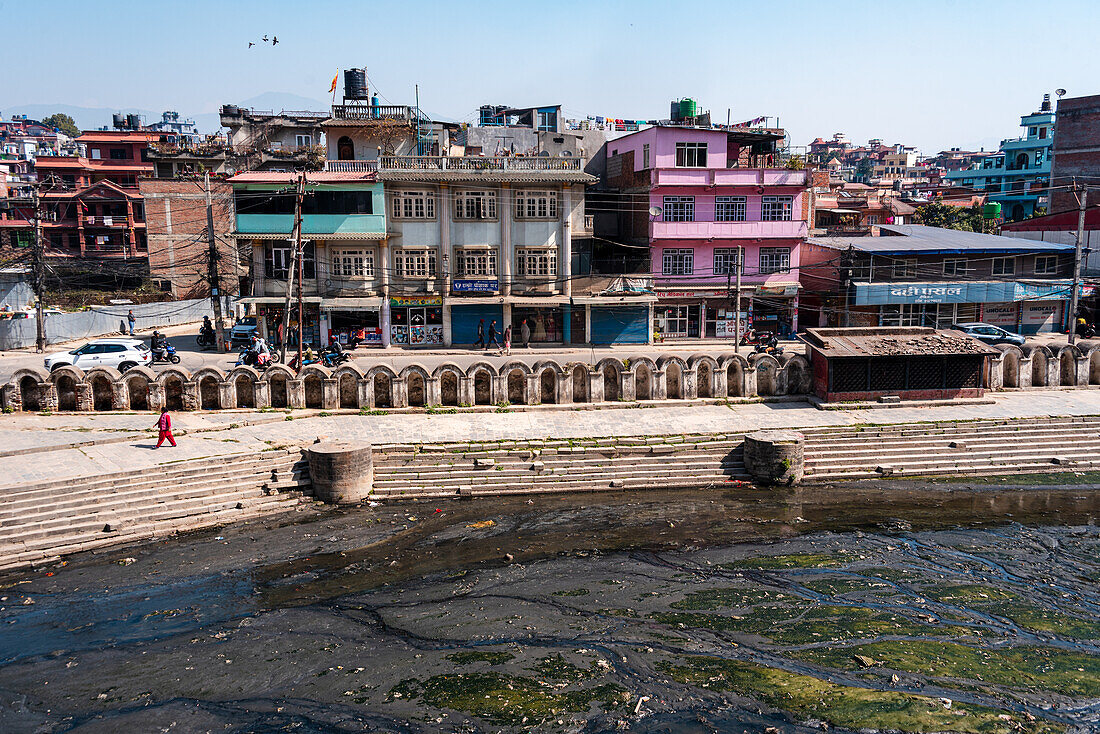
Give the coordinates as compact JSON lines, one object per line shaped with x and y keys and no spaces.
{"x":654,"y":211}
{"x":1060,"y":92}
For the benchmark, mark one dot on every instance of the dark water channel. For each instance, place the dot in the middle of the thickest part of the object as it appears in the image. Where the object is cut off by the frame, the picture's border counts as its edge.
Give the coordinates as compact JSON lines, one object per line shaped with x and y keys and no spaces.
{"x":900,"y":606}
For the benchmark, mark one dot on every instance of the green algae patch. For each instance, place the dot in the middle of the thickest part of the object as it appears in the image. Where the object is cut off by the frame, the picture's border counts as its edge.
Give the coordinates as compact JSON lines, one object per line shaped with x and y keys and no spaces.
{"x":806,"y":625}
{"x":557,"y":668}
{"x":572,"y":592}
{"x":793,"y":560}
{"x":967,"y":594}
{"x":730,"y":597}
{"x":468,"y":657}
{"x":806,"y":697}
{"x":840,"y":587}
{"x":1051,"y":669}
{"x":507,"y":699}
{"x":1041,"y":619}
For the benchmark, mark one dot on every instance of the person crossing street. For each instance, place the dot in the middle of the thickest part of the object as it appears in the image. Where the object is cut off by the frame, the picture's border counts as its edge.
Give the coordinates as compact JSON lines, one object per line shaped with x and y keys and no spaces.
{"x":164,"y":426}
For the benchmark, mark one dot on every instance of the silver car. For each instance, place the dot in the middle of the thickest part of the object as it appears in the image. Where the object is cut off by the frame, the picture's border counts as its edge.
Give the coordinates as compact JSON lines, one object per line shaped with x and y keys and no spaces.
{"x":122,"y":354}
{"x":989,"y":333}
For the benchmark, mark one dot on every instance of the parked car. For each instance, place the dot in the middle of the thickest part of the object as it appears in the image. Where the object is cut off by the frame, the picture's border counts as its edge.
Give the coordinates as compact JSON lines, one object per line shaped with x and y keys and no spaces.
{"x":989,"y":333}
{"x":242,"y":331}
{"x":122,"y":354}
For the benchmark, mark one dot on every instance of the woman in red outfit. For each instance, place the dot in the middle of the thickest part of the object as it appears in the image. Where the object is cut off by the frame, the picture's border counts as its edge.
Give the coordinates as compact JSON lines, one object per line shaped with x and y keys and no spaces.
{"x":164,"y":425}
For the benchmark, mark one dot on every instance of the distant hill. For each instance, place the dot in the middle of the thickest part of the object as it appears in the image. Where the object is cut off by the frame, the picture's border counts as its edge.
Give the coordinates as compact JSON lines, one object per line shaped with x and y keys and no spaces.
{"x":90,"y":118}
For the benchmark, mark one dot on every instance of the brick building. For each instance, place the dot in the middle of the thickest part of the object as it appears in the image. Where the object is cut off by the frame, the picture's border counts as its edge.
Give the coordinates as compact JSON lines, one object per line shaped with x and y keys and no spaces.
{"x":175,"y":219}
{"x":1076,"y":149}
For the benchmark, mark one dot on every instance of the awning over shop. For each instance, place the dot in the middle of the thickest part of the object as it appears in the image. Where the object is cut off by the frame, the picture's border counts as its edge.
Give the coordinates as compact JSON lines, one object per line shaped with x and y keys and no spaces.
{"x":309,"y":237}
{"x":630,"y":300}
{"x":277,"y":300}
{"x":351,"y":304}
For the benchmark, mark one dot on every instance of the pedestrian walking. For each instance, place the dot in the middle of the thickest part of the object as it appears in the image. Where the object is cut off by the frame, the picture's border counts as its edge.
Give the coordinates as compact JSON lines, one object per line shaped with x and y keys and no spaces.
{"x":480,"y":335}
{"x":525,"y":333}
{"x":164,"y":425}
{"x":131,"y":320}
{"x":492,"y":334}
{"x":507,"y":347}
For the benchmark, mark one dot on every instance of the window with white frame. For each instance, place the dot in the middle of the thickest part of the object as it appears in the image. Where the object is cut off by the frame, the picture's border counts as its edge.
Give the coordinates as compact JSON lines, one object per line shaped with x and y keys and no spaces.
{"x":409,"y":263}
{"x":679,"y":209}
{"x":775,"y":260}
{"x":278,"y":258}
{"x":473,"y":204}
{"x":872,"y":219}
{"x":1046,"y":264}
{"x":725,"y":261}
{"x":775,"y":208}
{"x":475,"y":262}
{"x":536,"y":263}
{"x":532,"y":204}
{"x":353,"y":264}
{"x":729,"y":208}
{"x":680,"y":261}
{"x":303,"y":141}
{"x":1004,"y":266}
{"x":413,"y":205}
{"x":645,"y":156}
{"x":954,"y":266}
{"x":904,"y":267}
{"x":691,"y":155}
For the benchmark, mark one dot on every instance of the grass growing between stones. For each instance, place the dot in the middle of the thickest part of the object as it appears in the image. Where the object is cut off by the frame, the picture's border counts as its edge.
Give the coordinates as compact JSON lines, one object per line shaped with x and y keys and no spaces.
{"x":793,"y":560}
{"x":509,"y":699}
{"x":807,"y":697}
{"x":840,"y":587}
{"x":467,"y":657}
{"x":732,"y":597}
{"x":1040,"y":668}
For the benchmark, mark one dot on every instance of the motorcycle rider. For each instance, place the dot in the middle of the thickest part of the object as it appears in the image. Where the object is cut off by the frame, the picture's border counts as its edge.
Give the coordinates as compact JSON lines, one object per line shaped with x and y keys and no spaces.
{"x":158,"y":345}
{"x":206,"y":331}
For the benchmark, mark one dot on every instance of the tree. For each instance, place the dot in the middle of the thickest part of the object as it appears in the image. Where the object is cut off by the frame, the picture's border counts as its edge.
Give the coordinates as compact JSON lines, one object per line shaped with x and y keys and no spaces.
{"x":796,"y":163}
{"x":938,"y":214}
{"x":864,"y":169}
{"x":62,"y":122}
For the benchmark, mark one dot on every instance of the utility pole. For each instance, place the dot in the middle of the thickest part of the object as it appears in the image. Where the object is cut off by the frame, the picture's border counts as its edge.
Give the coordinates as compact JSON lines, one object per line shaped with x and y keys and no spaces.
{"x":1082,"y":197}
{"x":737,"y":313}
{"x":39,"y":266}
{"x":212,"y":270}
{"x":299,"y":194}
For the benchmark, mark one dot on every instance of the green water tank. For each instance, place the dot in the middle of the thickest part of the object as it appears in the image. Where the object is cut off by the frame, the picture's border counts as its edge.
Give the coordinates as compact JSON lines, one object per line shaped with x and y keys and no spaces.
{"x":992,"y":210}
{"x":687,"y":107}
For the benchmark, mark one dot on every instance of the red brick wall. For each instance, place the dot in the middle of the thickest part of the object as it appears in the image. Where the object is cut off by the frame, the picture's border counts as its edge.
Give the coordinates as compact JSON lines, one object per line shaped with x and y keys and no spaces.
{"x":175,"y":216}
{"x":1076,"y":149}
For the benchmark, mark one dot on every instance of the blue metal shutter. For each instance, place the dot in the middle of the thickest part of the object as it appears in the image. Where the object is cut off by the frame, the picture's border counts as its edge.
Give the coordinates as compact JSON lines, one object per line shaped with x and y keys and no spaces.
{"x":620,"y":325}
{"x":464,"y":321}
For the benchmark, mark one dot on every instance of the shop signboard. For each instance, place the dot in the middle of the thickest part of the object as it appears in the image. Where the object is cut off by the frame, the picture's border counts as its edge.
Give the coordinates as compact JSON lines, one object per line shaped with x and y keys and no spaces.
{"x":475,"y":286}
{"x":1042,"y":316}
{"x":874,"y":294}
{"x":415,"y":301}
{"x":1000,"y":314}
{"x":695,"y":294}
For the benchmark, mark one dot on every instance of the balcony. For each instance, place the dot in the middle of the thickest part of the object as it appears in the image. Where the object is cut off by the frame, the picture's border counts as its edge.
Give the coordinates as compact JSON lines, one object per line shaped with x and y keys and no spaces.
{"x":728,"y":230}
{"x":352,"y":166}
{"x":478,"y":163}
{"x":729,"y":177}
{"x":315,"y":224}
{"x":368,"y":113}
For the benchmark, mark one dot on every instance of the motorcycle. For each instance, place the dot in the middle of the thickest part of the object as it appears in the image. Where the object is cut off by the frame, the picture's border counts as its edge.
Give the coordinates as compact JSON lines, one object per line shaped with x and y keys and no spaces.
{"x":166,"y":353}
{"x":260,"y":360}
{"x":206,"y":339}
{"x":768,"y":346}
{"x":333,"y":358}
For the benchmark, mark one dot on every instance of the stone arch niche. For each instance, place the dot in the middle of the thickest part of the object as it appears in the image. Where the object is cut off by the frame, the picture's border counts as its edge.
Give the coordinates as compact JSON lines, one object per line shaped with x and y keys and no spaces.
{"x":674,"y":380}
{"x":280,"y":391}
{"x":735,"y":379}
{"x":417,"y":386}
{"x":611,"y":383}
{"x":1094,"y":367}
{"x":1067,"y":368}
{"x":798,"y":377}
{"x":101,"y":392}
{"x":314,"y":388}
{"x":704,"y":378}
{"x":1010,"y":368}
{"x":383,"y":391}
{"x":580,"y":385}
{"x":483,"y":388}
{"x":516,"y":381}
{"x":66,"y":392}
{"x":767,"y":374}
{"x":448,"y":387}
{"x":643,"y":382}
{"x":348,"y":387}
{"x":28,"y":393}
{"x":1038,"y":368}
{"x":173,"y":393}
{"x":208,"y":393}
{"x":548,"y":386}
{"x":244,"y":387}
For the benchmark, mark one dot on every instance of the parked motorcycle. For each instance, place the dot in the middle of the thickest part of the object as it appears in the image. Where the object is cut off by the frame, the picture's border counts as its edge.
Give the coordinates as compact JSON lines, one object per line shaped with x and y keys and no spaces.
{"x":166,"y":354}
{"x":768,"y":346}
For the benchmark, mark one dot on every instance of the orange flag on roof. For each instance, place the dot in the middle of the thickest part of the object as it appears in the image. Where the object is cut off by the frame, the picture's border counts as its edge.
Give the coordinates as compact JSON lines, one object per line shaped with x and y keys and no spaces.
{"x":332,"y":87}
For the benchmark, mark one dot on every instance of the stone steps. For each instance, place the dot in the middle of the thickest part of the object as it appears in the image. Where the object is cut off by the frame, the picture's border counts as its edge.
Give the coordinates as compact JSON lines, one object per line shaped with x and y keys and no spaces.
{"x":1054,"y":445}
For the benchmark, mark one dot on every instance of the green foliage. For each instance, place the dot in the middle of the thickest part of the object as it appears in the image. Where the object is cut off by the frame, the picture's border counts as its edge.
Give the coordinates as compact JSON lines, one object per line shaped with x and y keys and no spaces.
{"x":62,"y":122}
{"x":938,"y":214}
{"x":864,"y":169}
{"x":796,"y":163}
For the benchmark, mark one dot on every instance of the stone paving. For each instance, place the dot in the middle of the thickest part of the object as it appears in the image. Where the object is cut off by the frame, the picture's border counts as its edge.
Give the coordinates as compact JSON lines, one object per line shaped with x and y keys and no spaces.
{"x":213,"y":434}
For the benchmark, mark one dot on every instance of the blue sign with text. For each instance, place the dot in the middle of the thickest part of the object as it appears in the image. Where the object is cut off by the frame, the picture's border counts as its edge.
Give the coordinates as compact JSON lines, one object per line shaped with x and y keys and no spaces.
{"x":475,"y":286}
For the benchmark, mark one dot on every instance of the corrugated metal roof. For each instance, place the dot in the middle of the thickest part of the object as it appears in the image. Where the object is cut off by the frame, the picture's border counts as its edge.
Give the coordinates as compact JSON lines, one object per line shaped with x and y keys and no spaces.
{"x":895,"y":341}
{"x":916,"y":238}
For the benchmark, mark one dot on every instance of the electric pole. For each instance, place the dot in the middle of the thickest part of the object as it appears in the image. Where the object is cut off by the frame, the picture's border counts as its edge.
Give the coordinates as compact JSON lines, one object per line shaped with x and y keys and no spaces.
{"x":296,"y":252}
{"x":212,"y":270}
{"x":737,"y":313}
{"x":1082,"y":193}
{"x":39,"y":266}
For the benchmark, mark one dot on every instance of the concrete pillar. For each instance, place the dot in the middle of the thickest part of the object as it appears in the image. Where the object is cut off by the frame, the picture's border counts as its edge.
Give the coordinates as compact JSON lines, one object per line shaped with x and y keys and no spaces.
{"x":595,"y":386}
{"x":447,"y":340}
{"x":466,"y":390}
{"x":227,"y":394}
{"x":628,"y":388}
{"x":384,"y":316}
{"x":261,"y":394}
{"x":1023,"y":371}
{"x":775,"y":457}
{"x":534,"y":390}
{"x":295,"y":393}
{"x":84,"y":400}
{"x":433,"y":391}
{"x":120,"y":396}
{"x":719,"y":388}
{"x":660,"y":386}
{"x":155,"y":398}
{"x":500,"y":386}
{"x":1082,"y":365}
{"x":365,"y":388}
{"x":330,"y":393}
{"x":996,"y":373}
{"x":690,"y":380}
{"x":444,"y":214}
{"x":341,"y":472}
{"x":749,"y":377}
{"x":506,"y":309}
{"x":1054,"y":371}
{"x":504,"y":209}
{"x":565,"y":265}
{"x":588,"y":323}
{"x":399,"y":392}
{"x":649,"y":323}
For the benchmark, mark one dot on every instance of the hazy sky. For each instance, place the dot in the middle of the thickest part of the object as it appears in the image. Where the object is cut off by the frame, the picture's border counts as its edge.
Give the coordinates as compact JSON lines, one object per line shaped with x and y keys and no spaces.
{"x":930,"y":73}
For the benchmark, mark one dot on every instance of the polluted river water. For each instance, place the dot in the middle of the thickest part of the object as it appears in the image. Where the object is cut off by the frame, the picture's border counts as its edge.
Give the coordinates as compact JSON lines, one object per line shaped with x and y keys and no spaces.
{"x":930,"y":606}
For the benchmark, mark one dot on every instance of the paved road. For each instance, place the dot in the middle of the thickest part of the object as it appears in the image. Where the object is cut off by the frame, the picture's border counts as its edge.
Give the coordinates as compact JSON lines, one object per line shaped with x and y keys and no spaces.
{"x":222,"y":433}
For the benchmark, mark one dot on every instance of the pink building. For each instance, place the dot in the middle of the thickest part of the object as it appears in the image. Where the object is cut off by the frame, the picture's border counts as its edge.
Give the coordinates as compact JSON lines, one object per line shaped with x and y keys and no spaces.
{"x":702,"y":198}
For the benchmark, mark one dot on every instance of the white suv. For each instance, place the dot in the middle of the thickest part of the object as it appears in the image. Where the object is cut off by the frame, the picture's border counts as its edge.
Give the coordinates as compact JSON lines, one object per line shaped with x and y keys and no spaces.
{"x":122,"y":354}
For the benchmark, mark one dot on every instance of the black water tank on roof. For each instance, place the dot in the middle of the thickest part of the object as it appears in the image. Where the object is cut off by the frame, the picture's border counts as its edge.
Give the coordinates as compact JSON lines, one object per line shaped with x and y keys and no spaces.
{"x":355,"y":84}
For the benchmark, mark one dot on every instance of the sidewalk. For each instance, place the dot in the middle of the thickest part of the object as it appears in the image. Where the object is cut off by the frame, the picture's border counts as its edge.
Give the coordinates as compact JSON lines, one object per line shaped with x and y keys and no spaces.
{"x":220,"y":437}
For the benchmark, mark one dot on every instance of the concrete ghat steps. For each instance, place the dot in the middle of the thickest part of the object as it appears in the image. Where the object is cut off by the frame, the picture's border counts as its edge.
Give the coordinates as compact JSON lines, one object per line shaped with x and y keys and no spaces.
{"x":1053,"y":447}
{"x":992,"y":435}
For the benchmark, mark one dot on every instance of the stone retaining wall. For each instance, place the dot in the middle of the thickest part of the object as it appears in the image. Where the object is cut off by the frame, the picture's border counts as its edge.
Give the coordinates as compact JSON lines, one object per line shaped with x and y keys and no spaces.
{"x":349,"y":386}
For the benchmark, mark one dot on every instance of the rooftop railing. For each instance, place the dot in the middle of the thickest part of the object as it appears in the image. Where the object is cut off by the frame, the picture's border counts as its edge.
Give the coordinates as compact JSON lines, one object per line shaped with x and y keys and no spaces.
{"x":479,"y":163}
{"x":373,"y":112}
{"x":351,"y":166}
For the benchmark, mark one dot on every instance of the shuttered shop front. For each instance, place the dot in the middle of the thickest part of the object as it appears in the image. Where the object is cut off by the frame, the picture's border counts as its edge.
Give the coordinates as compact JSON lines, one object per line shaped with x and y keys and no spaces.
{"x":464,"y":321}
{"x":620,"y":325}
